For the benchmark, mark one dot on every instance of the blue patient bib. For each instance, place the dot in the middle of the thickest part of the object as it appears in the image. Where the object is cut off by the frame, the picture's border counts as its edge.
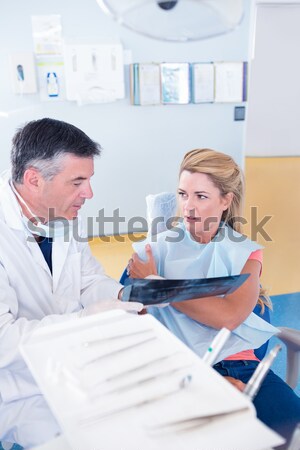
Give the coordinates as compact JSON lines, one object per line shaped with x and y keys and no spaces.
{"x":179,"y":256}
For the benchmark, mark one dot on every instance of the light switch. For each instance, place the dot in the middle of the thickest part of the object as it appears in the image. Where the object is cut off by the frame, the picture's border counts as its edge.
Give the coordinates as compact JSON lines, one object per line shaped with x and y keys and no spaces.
{"x":239,"y":113}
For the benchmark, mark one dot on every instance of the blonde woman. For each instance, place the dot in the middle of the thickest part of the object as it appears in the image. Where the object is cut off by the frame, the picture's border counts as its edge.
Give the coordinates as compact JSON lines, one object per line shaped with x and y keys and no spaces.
{"x":208,"y":243}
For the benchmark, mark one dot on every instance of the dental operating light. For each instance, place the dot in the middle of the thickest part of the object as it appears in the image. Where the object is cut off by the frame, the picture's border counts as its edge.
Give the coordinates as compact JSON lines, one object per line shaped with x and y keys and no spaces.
{"x":177,"y":20}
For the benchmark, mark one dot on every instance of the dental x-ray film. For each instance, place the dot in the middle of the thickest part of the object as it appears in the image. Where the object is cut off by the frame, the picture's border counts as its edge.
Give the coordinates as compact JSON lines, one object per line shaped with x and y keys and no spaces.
{"x":156,"y":292}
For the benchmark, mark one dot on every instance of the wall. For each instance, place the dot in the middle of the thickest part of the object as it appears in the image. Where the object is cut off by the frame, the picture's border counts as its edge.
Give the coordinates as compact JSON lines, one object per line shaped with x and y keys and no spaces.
{"x":142,"y":145}
{"x":275,"y":205}
{"x":274,"y":90}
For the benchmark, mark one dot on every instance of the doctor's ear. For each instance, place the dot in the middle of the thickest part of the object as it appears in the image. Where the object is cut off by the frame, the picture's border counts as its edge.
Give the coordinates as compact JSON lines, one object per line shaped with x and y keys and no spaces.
{"x":32,"y":179}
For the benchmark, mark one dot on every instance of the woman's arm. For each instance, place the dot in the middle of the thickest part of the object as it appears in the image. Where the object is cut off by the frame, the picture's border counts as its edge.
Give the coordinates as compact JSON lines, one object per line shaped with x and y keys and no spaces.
{"x":217,"y":312}
{"x":229,"y":311}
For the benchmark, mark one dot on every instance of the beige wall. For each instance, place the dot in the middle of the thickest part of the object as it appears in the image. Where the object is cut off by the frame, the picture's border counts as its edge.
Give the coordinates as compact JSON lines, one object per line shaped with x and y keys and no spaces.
{"x":273,"y":187}
{"x":113,"y":252}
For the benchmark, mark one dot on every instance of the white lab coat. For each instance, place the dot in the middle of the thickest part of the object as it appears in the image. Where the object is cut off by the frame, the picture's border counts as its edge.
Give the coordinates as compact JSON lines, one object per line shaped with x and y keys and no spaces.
{"x":31,"y":297}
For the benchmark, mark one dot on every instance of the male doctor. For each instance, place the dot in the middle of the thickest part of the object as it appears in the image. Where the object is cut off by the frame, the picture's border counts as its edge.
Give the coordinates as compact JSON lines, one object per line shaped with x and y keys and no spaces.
{"x":46,"y":274}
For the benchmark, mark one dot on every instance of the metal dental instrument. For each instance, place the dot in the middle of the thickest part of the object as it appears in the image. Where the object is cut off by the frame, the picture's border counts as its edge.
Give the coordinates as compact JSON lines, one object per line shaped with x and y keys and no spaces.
{"x":88,"y":344}
{"x":253,"y":385}
{"x":136,"y":368}
{"x":120,"y":350}
{"x":88,"y":421}
{"x":137,"y":383}
{"x":192,"y":422}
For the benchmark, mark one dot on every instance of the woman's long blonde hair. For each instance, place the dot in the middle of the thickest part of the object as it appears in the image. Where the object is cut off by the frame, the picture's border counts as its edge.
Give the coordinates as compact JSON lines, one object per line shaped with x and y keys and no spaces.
{"x":227,"y":177}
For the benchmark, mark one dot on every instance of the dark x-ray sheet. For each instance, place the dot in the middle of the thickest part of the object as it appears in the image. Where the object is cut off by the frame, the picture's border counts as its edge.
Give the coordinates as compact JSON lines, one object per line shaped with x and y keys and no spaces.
{"x":155,"y":292}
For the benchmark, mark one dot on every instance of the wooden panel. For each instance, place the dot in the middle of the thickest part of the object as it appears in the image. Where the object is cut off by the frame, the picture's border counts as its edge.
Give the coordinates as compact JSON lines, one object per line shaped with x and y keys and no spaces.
{"x":273,"y":189}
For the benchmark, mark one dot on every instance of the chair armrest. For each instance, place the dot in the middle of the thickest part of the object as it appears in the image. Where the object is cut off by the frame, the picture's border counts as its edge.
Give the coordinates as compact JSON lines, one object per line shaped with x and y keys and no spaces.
{"x":291,"y":338}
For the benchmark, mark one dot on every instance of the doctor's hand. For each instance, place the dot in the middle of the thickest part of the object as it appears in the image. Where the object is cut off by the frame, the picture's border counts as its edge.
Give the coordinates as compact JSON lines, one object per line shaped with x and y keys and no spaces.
{"x":108,"y":305}
{"x":137,"y":268}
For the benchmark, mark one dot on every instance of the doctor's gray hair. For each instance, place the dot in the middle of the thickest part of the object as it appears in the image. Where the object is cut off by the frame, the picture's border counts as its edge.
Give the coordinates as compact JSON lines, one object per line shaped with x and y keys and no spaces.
{"x":43,"y":144}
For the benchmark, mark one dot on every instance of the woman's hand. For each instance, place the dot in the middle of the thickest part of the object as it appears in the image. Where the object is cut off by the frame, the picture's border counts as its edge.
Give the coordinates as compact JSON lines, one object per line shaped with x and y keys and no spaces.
{"x":236,"y":383}
{"x":137,"y":268}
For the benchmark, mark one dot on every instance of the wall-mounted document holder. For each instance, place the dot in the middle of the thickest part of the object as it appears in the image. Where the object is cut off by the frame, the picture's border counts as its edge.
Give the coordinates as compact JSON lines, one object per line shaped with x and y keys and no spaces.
{"x":145,"y":84}
{"x":203,"y":82}
{"x":230,"y":82}
{"x":175,"y":83}
{"x":183,"y":83}
{"x":121,"y":381}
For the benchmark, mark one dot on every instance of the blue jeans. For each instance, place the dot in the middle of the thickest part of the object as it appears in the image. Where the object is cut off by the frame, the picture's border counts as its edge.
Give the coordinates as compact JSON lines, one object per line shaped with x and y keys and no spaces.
{"x":276,"y":403}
